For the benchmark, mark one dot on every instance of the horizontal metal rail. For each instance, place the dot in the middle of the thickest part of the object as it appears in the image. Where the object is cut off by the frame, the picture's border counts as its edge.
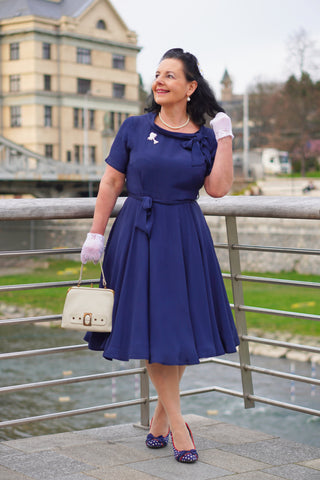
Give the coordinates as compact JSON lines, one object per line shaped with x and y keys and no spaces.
{"x":40,"y":251}
{"x":42,"y":351}
{"x":23,"y":320}
{"x":272,"y":281}
{"x":277,"y":281}
{"x":271,"y":249}
{"x":257,"y":398}
{"x":70,"y":413}
{"x":37,"y":286}
{"x":258,"y":248}
{"x":67,"y":381}
{"x":239,"y":206}
{"x":288,"y":406}
{"x":280,"y":313}
{"x":287,"y":376}
{"x":279,"y":343}
{"x":265,"y":371}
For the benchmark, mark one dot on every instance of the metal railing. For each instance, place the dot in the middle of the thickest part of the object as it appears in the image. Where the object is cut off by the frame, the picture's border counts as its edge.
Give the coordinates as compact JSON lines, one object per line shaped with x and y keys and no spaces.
{"x":230,"y":208}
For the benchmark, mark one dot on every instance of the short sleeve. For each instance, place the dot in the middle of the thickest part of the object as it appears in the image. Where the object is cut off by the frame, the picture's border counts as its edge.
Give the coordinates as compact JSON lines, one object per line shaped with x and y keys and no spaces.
{"x":119,"y":154}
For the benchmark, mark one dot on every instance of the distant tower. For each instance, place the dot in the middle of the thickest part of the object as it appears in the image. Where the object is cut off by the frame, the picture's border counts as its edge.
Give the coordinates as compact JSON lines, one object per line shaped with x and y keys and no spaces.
{"x":226,"y":89}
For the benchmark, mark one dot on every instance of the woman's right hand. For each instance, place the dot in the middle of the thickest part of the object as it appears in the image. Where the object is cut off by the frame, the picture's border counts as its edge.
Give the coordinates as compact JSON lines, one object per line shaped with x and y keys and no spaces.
{"x":93,"y":247}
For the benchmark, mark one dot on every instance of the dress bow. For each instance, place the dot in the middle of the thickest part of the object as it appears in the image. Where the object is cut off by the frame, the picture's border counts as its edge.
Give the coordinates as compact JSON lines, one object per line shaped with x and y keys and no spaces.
{"x":144,"y":215}
{"x":200,"y":151}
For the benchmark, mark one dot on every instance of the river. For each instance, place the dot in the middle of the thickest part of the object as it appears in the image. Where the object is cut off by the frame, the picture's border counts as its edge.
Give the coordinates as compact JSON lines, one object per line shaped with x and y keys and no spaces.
{"x":276,"y":421}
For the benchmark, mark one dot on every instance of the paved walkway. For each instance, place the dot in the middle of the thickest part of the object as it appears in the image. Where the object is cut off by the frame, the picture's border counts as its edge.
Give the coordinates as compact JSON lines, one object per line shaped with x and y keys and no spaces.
{"x":118,"y":453}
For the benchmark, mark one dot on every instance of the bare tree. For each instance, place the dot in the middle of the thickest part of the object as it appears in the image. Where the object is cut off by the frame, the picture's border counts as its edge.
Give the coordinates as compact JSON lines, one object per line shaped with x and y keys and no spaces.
{"x":303,"y":55}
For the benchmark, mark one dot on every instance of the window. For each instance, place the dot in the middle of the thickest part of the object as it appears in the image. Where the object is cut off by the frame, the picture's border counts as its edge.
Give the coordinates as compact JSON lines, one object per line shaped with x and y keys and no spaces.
{"x":15,"y":113}
{"x":47,"y":116}
{"x":14,"y":83}
{"x":14,"y":51}
{"x":112,"y":120}
{"x":48,"y":151}
{"x":47,"y":82}
{"x":68,"y":156}
{"x":84,"y":85}
{"x":77,"y":153}
{"x":119,"y":120}
{"x":46,"y":51}
{"x":92,"y":153}
{"x":118,"y":61}
{"x":76,"y":117}
{"x":83,"y":55}
{"x":91,"y":119}
{"x":101,"y":25}
{"x":118,"y":90}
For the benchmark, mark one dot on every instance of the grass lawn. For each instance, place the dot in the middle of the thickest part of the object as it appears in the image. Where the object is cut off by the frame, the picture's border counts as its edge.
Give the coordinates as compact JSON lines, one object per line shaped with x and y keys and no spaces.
{"x":282,"y":297}
{"x":297,"y":299}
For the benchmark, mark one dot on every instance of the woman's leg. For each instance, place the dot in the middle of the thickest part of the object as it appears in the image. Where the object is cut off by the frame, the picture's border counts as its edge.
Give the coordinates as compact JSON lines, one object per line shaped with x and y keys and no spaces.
{"x":160,"y":421}
{"x":166,"y":379}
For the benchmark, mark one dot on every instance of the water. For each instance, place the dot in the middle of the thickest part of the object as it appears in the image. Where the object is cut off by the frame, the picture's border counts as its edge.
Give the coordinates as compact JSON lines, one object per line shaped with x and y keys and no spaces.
{"x":287,"y":424}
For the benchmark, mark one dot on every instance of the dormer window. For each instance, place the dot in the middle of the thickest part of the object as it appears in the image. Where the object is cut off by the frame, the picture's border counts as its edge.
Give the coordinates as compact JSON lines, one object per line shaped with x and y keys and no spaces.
{"x":101,"y":25}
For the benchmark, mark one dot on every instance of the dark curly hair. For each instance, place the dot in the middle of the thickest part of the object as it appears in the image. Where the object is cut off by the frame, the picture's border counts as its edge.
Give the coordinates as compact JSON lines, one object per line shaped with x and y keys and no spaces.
{"x":203,"y":100}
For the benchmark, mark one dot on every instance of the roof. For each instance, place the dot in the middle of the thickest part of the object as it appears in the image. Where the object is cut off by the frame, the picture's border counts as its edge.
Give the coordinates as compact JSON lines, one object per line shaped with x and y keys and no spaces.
{"x":43,"y":8}
{"x":226,"y":77}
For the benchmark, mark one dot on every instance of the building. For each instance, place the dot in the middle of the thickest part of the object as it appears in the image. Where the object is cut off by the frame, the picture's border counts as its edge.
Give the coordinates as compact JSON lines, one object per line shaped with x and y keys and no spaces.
{"x":68,"y":77}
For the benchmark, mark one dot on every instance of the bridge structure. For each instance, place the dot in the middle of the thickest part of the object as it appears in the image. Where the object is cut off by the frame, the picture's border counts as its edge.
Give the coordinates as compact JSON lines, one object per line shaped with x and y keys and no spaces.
{"x":23,"y":171}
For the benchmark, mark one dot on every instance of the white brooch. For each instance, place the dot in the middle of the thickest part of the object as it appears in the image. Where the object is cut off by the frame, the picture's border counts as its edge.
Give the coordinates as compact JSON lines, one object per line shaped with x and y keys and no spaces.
{"x":152,"y":137}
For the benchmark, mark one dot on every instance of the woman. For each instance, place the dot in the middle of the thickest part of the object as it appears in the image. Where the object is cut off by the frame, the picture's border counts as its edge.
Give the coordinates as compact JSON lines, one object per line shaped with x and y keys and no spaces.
{"x":171,"y":308}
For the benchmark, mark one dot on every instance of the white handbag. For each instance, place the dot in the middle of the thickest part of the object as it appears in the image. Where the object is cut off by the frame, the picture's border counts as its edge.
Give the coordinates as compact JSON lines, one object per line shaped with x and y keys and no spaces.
{"x":87,"y":308}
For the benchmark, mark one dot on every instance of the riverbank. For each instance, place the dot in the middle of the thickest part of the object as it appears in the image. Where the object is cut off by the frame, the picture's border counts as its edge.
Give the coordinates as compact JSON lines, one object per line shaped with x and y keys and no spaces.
{"x":13,"y":311}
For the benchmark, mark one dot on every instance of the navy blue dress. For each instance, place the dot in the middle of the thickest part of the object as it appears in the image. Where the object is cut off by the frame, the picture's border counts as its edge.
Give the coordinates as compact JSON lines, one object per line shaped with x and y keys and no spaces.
{"x":170,"y":303}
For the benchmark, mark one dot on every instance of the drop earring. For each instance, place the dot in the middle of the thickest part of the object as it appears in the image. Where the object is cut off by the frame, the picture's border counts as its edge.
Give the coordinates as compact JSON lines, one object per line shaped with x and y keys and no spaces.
{"x":188,"y":99}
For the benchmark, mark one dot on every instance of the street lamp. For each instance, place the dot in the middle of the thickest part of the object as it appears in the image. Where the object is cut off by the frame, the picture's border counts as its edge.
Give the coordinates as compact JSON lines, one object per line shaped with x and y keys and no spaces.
{"x":246,"y":133}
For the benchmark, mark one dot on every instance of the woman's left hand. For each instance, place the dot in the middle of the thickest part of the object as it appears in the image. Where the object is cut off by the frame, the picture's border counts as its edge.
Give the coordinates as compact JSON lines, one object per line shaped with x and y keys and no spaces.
{"x":221,"y":125}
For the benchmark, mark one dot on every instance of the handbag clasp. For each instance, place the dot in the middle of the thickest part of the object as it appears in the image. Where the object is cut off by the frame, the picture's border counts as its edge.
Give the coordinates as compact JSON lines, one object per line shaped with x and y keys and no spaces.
{"x":87,"y":319}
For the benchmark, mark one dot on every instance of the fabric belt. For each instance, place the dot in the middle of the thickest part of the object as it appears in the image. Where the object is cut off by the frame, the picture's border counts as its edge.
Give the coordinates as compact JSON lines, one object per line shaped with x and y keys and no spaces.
{"x":144,"y":218}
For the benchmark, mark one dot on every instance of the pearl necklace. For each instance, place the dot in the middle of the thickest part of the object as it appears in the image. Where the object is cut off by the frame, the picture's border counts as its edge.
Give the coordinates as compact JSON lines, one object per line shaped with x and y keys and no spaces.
{"x":174,"y":128}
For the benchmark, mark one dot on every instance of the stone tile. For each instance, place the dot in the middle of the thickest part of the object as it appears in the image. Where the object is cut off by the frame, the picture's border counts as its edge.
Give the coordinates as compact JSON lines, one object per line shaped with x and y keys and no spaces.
{"x":120,"y":473}
{"x":5,"y":449}
{"x":173,"y":470}
{"x":75,"y":476}
{"x":196,"y":421}
{"x":312,"y":464}
{"x":48,"y":442}
{"x":232,"y":462}
{"x":224,"y":433}
{"x":253,"y":476}
{"x":294,"y":472}
{"x":99,"y":453}
{"x":275,"y":452}
{"x":6,"y":474}
{"x":43,"y":465}
{"x":112,"y":433}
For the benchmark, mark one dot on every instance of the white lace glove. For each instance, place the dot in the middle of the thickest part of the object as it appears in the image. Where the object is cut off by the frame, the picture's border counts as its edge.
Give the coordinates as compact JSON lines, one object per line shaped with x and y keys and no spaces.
{"x":92,"y":248}
{"x":221,"y":125}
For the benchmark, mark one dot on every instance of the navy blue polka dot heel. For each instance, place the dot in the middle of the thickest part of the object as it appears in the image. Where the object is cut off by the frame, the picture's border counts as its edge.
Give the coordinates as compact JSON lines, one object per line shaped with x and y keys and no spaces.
{"x":157,"y":442}
{"x":185,"y":456}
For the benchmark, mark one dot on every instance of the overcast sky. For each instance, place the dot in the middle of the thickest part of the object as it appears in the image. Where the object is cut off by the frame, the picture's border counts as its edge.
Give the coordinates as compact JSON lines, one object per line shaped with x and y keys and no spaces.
{"x":248,"y":37}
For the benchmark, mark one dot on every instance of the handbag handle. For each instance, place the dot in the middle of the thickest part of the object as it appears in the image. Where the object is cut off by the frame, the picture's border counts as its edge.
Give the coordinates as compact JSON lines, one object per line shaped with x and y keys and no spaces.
{"x":103,"y":277}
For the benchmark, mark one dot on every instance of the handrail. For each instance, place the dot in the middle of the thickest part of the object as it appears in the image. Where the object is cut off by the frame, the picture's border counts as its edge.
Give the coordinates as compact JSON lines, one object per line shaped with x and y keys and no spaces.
{"x":239,"y":206}
{"x":230,"y":208}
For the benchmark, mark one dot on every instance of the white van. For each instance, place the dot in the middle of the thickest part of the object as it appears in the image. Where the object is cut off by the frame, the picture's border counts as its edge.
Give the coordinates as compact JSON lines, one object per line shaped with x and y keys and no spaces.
{"x":275,"y":161}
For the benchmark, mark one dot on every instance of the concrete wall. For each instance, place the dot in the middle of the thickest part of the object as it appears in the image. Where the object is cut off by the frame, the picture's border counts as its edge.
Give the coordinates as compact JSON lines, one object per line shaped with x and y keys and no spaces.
{"x":271,"y":232}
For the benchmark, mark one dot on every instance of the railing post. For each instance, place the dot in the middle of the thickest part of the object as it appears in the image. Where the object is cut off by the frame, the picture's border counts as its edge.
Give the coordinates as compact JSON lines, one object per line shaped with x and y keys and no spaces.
{"x":240,"y":316}
{"x":144,"y":393}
